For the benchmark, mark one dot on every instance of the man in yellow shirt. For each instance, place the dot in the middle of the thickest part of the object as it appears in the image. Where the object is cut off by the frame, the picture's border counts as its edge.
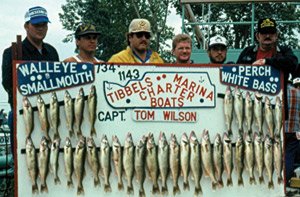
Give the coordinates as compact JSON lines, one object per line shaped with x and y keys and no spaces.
{"x":138,"y":40}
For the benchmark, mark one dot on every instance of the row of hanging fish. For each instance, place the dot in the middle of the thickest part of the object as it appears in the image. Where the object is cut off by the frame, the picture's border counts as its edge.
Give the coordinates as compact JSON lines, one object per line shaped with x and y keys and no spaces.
{"x":246,"y":110}
{"x":73,"y":113}
{"x":190,"y":157}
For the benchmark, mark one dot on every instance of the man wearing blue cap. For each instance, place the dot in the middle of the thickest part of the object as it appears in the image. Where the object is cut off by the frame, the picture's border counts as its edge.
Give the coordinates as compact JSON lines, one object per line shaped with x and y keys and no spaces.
{"x":33,"y":48}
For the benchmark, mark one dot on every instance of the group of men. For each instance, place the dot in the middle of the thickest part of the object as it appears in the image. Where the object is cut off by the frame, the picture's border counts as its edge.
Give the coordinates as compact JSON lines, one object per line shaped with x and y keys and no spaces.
{"x":267,"y":51}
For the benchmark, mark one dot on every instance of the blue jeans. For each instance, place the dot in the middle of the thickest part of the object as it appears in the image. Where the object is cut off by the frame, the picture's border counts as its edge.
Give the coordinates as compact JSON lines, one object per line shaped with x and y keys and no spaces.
{"x":292,"y":149}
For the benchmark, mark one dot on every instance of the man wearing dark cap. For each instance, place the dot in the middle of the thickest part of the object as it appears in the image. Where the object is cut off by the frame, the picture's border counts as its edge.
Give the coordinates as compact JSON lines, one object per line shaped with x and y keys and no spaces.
{"x":86,"y":37}
{"x":33,"y":48}
{"x":138,"y":39}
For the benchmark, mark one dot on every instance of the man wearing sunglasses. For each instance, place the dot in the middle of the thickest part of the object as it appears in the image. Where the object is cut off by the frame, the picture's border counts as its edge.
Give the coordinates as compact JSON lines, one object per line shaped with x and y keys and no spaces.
{"x":217,"y":49}
{"x":86,"y":37}
{"x":138,"y":40}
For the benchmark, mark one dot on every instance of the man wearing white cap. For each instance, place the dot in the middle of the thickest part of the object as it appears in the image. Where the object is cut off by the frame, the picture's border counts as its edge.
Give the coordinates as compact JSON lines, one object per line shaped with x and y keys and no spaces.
{"x":217,"y":49}
{"x":138,"y":40}
{"x":33,"y":48}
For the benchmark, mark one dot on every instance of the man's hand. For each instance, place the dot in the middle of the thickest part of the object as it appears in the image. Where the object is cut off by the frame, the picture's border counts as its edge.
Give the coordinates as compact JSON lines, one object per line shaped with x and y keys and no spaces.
{"x":259,"y":62}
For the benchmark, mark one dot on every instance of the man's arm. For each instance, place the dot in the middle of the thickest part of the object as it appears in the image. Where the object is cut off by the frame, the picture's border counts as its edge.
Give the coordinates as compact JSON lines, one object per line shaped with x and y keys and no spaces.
{"x":7,"y":71}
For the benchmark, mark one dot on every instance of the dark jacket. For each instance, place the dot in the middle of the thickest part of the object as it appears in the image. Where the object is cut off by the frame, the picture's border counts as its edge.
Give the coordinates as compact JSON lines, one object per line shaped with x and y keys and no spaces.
{"x":29,"y":52}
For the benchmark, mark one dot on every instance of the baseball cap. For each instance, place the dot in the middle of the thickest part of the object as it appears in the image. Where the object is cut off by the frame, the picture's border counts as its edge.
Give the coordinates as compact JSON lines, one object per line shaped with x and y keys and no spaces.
{"x":36,"y":15}
{"x":266,"y":25}
{"x":139,"y":25}
{"x":217,"y":40}
{"x":84,"y":29}
{"x":296,"y":80}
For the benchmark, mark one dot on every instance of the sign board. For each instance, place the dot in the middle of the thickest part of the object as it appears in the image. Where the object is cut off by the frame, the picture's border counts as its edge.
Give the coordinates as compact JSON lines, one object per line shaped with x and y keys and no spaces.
{"x":139,"y":99}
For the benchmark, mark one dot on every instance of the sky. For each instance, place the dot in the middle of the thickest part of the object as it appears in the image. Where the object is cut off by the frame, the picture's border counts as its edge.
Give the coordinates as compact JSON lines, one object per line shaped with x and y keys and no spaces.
{"x":12,"y":14}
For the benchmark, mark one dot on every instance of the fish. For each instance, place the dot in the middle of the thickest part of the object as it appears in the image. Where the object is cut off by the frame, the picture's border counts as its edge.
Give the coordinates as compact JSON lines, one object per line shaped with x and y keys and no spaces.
{"x":105,"y":162}
{"x":93,"y":159}
{"x":257,"y":111}
{"x":174,"y":148}
{"x":185,"y":160}
{"x":79,"y":163}
{"x":54,"y":114}
{"x":128,"y":162}
{"x":207,"y":160}
{"x":117,"y":160}
{"x":139,"y":164}
{"x":54,"y":156}
{"x":268,"y":159}
{"x":32,"y":165}
{"x":259,"y":156}
{"x":278,"y":116}
{"x":248,"y":112}
{"x":249,"y":158}
{"x":228,"y":109}
{"x":78,"y":111}
{"x":43,"y":117}
{"x":218,"y":159}
{"x":68,"y":160}
{"x":43,"y":163}
{"x":69,"y":111}
{"x":163,"y":161}
{"x":238,"y":106}
{"x":152,"y":162}
{"x":92,"y":103}
{"x":268,"y":111}
{"x":28,"y":116}
{"x":278,"y":158}
{"x":239,"y":159}
{"x":195,"y":163}
{"x":228,"y":157}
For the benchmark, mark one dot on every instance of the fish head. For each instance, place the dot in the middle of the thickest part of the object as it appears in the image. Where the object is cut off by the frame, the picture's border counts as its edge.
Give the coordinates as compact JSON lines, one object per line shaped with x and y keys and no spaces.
{"x":239,"y":141}
{"x":162,"y":141}
{"x":81,"y":92}
{"x":268,"y":141}
{"x":26,"y":102}
{"x":115,"y":141}
{"x":67,"y":94}
{"x":81,"y":142}
{"x":258,"y":96}
{"x":248,"y":138}
{"x":29,"y":143}
{"x":90,"y":142}
{"x":226,"y":138}
{"x":53,"y":96}
{"x":184,"y":139}
{"x":205,"y":135}
{"x":257,"y":137}
{"x":173,"y":141}
{"x":128,"y":140}
{"x":150,"y":141}
{"x":40,"y":100}
{"x":217,"y":140}
{"x":104,"y":141}
{"x":193,"y":138}
{"x":93,"y":90}
{"x":141,"y":142}
{"x":55,"y":144}
{"x":68,"y":142}
{"x":44,"y":143}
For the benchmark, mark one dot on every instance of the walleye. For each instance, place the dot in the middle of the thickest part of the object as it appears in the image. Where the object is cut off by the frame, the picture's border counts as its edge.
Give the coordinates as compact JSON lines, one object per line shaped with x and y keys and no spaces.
{"x":69,"y":107}
{"x":152,"y":162}
{"x":42,"y":111}
{"x":278,"y":158}
{"x":32,"y":166}
{"x":268,"y":159}
{"x":195,"y":163}
{"x":249,"y":158}
{"x":248,"y":112}
{"x":43,"y":163}
{"x":163,"y":161}
{"x":269,"y":116}
{"x":239,"y":159}
{"x":79,"y":163}
{"x":68,"y":160}
{"x":54,"y":114}
{"x":93,"y":159}
{"x":175,"y":163}
{"x":278,"y":116}
{"x":78,"y":111}
{"x":185,"y":160}
{"x":139,"y":164}
{"x":27,"y":116}
{"x":128,"y":162}
{"x":218,"y":159}
{"x":117,"y":160}
{"x":227,"y":154}
{"x":238,"y":108}
{"x":54,"y":156}
{"x":206,"y":157}
{"x":257,"y":108}
{"x":92,"y":103}
{"x":259,"y":156}
{"x":228,"y":109}
{"x":105,"y":162}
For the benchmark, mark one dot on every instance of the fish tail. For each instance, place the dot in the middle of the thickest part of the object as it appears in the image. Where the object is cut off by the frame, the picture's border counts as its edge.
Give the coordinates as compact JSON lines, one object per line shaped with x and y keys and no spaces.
{"x":229,"y":182}
{"x":279,"y":180}
{"x":44,"y":188}
{"x":271,"y":185}
{"x":80,"y":190}
{"x":93,"y":131}
{"x":164,"y":190}
{"x":35,"y":189}
{"x":129,"y":190}
{"x":96,"y":181}
{"x":186,"y":185}
{"x":230,"y":133}
{"x":240,"y":181}
{"x":70,"y":183}
{"x":56,"y":135}
{"x":142,"y":192}
{"x":107,"y":188}
{"x":79,"y":133}
{"x":214,"y":185}
{"x":56,"y":180}
{"x":176,"y":189}
{"x":198,"y":191}
{"x":155,"y":189}
{"x":120,"y":185}
{"x":252,"y":180}
{"x":241,"y":131}
{"x":261,"y":179}
{"x":220,"y":182}
{"x":71,"y":132}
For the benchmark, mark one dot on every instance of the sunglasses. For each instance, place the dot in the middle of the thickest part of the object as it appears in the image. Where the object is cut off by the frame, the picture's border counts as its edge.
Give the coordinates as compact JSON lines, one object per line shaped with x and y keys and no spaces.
{"x":141,"y":34}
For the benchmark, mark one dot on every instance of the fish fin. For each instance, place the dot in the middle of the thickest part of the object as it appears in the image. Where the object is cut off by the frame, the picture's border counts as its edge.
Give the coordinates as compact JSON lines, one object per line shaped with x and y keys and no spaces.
{"x":129,"y":190}
{"x":198,"y":191}
{"x":96,"y":181}
{"x":93,"y":132}
{"x":261,"y":179}
{"x":56,"y":180}
{"x":44,"y":188}
{"x":155,"y":189}
{"x":120,"y":185}
{"x":80,"y":190}
{"x":176,"y":189}
{"x":107,"y":188}
{"x":186,"y":185}
{"x":164,"y":190}
{"x":35,"y":189}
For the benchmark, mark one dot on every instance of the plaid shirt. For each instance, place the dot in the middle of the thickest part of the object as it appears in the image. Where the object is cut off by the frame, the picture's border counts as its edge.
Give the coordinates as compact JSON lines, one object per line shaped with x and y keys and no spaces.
{"x":292,"y":125}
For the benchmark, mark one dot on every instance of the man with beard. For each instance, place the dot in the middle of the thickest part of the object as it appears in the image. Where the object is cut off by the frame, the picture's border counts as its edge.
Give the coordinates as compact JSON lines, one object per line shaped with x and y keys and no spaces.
{"x":86,"y":37}
{"x":268,"y":52}
{"x":138,"y":40}
{"x":182,"y":48}
{"x":217,"y":49}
